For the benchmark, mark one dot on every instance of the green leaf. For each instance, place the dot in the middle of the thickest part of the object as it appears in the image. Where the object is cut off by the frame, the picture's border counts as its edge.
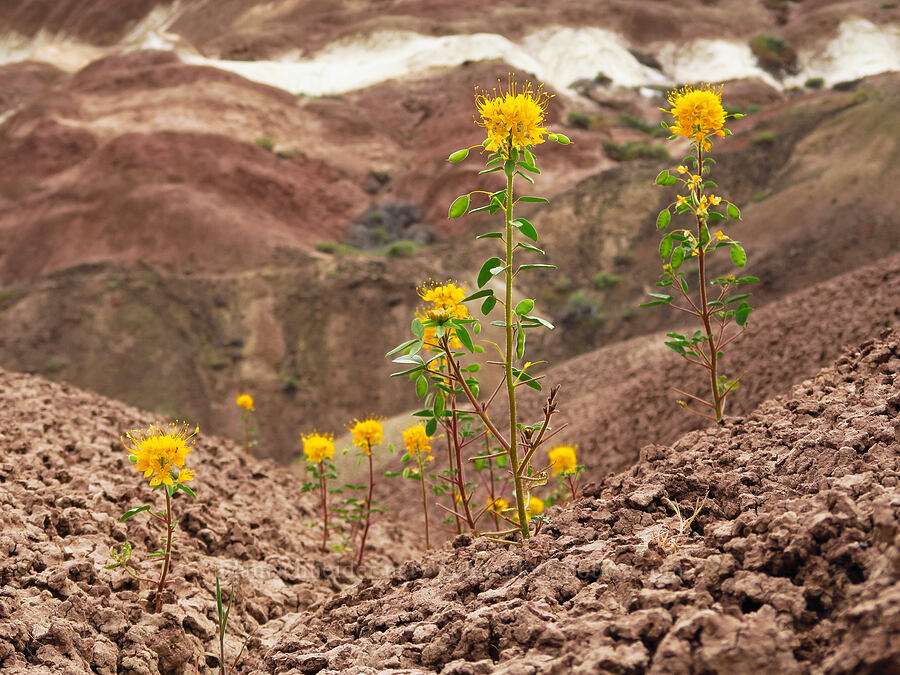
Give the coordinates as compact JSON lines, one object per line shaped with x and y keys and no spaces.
{"x":459,"y":155}
{"x":665,"y":247}
{"x":533,"y":199}
{"x":490,"y":235}
{"x":675,"y":347}
{"x":187,"y":490}
{"x":401,"y":347}
{"x":562,"y":139}
{"x":741,"y":314}
{"x":525,"y":306}
{"x":134,"y":511}
{"x":417,"y":328}
{"x":663,"y":219}
{"x":486,"y":273}
{"x":464,"y":337}
{"x":459,"y":206}
{"x":488,"y":305}
{"x":438,"y":405}
{"x":520,"y":343}
{"x":746,"y":280}
{"x":677,"y":258}
{"x":421,"y":386}
{"x":733,"y":212}
{"x":526,"y":228}
{"x":704,"y":235}
{"x":661,"y":296}
{"x":483,"y":293}
{"x":536,"y":266}
{"x":670,"y":181}
{"x":431,"y":426}
{"x":662,"y":177}
{"x":738,"y":255}
{"x":529,"y":247}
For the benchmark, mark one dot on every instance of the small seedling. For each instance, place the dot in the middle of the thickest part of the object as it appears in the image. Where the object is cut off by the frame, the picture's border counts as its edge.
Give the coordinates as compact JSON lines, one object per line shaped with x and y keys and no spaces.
{"x":223,"y":621}
{"x":319,"y":450}
{"x":245,"y":402}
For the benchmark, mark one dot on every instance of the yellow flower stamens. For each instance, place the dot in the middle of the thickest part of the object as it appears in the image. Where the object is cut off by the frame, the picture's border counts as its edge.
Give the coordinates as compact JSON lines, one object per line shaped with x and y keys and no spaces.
{"x":245,"y":401}
{"x":513,"y":118}
{"x":318,"y":447}
{"x":562,"y":459}
{"x":159,"y":450}
{"x":697,"y":113}
{"x":367,"y":434}
{"x":417,"y":441}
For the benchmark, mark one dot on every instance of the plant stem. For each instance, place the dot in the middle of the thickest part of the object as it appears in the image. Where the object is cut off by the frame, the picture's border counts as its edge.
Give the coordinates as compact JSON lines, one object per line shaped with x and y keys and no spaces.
{"x":324,"y":494}
{"x":221,"y":652}
{"x":424,"y":501}
{"x":460,"y":471}
{"x":487,"y":446}
{"x":510,"y":354}
{"x":453,"y":490}
{"x":705,"y":311}
{"x":362,"y":543}
{"x":168,"y":557}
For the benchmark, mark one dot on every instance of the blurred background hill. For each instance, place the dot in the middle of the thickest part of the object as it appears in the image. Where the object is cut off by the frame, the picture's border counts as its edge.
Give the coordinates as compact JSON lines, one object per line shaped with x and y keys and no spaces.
{"x":203,"y":198}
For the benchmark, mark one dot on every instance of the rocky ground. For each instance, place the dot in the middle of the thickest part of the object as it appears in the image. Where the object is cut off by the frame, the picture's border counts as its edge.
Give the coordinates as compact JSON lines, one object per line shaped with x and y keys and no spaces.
{"x":791,"y":565}
{"x":64,"y":481}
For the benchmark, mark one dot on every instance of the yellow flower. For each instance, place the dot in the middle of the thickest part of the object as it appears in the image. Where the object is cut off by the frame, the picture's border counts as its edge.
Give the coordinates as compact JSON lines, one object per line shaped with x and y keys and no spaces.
{"x":318,"y":447}
{"x":417,"y":441}
{"x":185,"y":475}
{"x":499,"y":505}
{"x":682,"y":169}
{"x":720,"y":236}
{"x":680,"y":200}
{"x":562,"y":459}
{"x":245,"y":401}
{"x":694,"y":182}
{"x":715,"y":200}
{"x":444,"y":295}
{"x":697,"y":112}
{"x":159,"y":450}
{"x":367,"y":434}
{"x":535,"y":506}
{"x":703,"y":207}
{"x":513,"y":118}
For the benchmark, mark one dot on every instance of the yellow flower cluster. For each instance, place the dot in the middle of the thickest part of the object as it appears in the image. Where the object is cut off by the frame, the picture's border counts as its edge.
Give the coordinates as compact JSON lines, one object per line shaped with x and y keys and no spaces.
{"x":499,"y":505}
{"x":513,"y":118}
{"x":318,"y":447}
{"x":158,"y":451}
{"x":445,"y":303}
{"x":417,"y":442}
{"x":245,"y":401}
{"x":562,"y":459}
{"x":698,"y":113}
{"x":367,"y":434}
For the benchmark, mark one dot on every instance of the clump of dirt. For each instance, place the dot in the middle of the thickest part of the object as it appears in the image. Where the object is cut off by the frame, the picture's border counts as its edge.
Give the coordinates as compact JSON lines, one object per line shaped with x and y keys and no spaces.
{"x":792,"y":565}
{"x":64,"y":481}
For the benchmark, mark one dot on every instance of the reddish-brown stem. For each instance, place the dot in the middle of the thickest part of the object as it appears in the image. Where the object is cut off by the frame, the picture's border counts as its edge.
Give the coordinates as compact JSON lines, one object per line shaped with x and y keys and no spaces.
{"x":453,"y":487}
{"x":696,"y":398}
{"x":323,"y":493}
{"x":704,"y":304}
{"x":365,"y":532}
{"x":460,"y":468}
{"x":168,"y":557}
{"x":424,"y":500}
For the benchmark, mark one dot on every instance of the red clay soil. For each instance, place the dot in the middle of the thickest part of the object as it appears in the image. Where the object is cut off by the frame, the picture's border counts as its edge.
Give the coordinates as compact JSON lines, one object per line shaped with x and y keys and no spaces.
{"x":619,"y":398}
{"x":64,"y":481}
{"x":257,"y":29}
{"x":791,"y":566}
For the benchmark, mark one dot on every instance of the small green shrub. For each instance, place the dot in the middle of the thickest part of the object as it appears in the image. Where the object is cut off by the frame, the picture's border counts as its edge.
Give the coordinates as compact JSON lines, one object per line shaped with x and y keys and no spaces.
{"x":815,"y":83}
{"x":764,"y":138}
{"x":579,"y":120}
{"x":635,"y":150}
{"x":774,"y":53}
{"x":642,"y":125}
{"x":327,"y":246}
{"x":265,"y":143}
{"x":605,"y":280}
{"x":402,"y":248}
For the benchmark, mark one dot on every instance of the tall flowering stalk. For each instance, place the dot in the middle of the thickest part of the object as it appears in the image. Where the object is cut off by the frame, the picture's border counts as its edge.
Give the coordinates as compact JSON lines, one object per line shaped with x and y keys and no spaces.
{"x":367,"y":434}
{"x":319,"y":450}
{"x":513,"y":120}
{"x":245,"y":403}
{"x":160,"y":453}
{"x":418,"y":448}
{"x":699,"y":116}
